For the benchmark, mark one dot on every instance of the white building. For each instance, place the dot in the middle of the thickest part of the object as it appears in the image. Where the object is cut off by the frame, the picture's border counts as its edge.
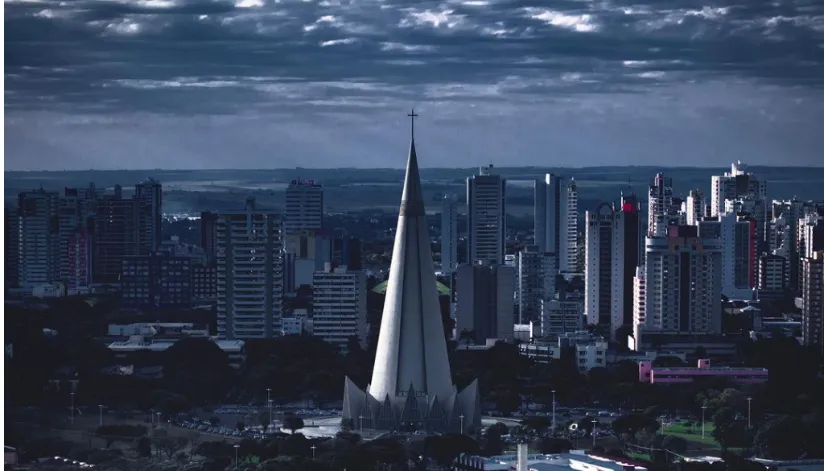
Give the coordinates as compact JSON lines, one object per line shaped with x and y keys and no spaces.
{"x":486,"y":217}
{"x":639,"y":306}
{"x":484,"y":297}
{"x":234,"y":349}
{"x":660,"y":208}
{"x":556,"y":220}
{"x":695,"y":207}
{"x":249,"y":274}
{"x":304,"y":206}
{"x":339,"y":305}
{"x":736,"y":183}
{"x":39,"y":259}
{"x":739,"y":262}
{"x":560,"y":317}
{"x":291,"y":325}
{"x":590,"y":350}
{"x":535,"y":281}
{"x":683,"y":284}
{"x":449,"y":235}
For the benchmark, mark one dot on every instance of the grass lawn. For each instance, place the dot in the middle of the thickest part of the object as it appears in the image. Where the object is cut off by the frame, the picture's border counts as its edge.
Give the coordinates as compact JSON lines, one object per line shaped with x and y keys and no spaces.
{"x":692,"y":434}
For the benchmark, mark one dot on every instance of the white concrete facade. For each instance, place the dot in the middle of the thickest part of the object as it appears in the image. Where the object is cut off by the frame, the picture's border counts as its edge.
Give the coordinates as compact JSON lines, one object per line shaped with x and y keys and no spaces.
{"x":249,"y":274}
{"x":339,"y":306}
{"x":604,"y":294}
{"x":556,"y":220}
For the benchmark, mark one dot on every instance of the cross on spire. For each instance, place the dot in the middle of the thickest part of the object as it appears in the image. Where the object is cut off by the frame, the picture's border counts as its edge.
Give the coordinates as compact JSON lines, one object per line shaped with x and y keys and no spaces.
{"x":412,"y":115}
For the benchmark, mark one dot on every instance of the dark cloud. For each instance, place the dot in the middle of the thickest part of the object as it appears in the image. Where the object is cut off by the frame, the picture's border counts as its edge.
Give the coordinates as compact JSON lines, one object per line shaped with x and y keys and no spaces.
{"x":595,"y":81}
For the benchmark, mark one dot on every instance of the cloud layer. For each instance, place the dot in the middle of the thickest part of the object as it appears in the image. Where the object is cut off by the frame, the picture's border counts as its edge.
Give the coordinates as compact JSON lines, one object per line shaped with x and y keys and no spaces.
{"x":281,"y":83}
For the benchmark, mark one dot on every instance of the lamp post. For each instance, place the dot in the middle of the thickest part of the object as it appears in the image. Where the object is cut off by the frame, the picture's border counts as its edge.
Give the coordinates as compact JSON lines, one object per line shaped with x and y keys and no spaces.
{"x":361,"y":424}
{"x":749,"y":412}
{"x":101,"y":407}
{"x":237,"y":447}
{"x":553,"y":412}
{"x":461,"y":417}
{"x":151,"y":416}
{"x":72,"y":406}
{"x":269,"y":405}
{"x":313,"y":452}
{"x":703,"y":415}
{"x":158,"y":418}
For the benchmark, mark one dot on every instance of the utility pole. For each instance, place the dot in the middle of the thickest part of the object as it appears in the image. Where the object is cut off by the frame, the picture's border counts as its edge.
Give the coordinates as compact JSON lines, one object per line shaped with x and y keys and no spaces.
{"x":553,"y":412}
{"x":269,"y":404}
{"x":462,"y":417}
{"x":72,"y":413}
{"x":101,"y":407}
{"x":749,"y":413}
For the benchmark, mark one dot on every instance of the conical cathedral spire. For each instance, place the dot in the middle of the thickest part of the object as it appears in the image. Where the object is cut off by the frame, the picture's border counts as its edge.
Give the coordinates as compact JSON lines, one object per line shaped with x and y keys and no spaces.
{"x":411,"y":357}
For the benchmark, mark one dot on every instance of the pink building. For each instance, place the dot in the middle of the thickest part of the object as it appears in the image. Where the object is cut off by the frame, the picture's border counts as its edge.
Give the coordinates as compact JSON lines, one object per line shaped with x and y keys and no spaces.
{"x":685,"y":374}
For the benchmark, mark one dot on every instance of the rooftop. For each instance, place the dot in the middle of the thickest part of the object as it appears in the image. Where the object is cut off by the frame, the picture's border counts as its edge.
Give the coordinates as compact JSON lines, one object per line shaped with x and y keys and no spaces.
{"x":443,"y":290}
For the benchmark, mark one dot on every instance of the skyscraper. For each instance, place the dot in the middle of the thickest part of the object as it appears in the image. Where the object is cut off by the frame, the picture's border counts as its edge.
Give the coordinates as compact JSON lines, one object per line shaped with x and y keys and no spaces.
{"x":249,"y":274}
{"x":39,"y":259}
{"x":449,"y":235}
{"x":739,"y":262}
{"x":411,"y":385}
{"x":11,"y":229}
{"x":660,"y":205}
{"x":735,"y":184}
{"x":208,"y":235}
{"x":536,"y":282}
{"x":556,"y":220}
{"x":681,"y":284}
{"x":695,"y":207}
{"x":484,"y":298}
{"x":812,"y":301}
{"x":486,"y":217}
{"x":304,"y":206}
{"x":148,"y":217}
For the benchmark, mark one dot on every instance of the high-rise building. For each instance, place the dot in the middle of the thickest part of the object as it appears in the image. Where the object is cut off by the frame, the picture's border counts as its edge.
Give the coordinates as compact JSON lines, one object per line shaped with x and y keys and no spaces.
{"x":208,"y":235}
{"x":304,"y":206}
{"x":661,"y":205}
{"x":411,"y":385}
{"x":812,"y":302}
{"x":682,"y":284}
{"x":78,"y":273}
{"x":249,"y":274}
{"x":536,"y":282}
{"x":485,"y":305}
{"x":339,"y":305}
{"x":602,"y":273}
{"x":486,"y":217}
{"x":613,"y":251}
{"x":695,"y":207}
{"x":556,"y":220}
{"x":449,"y":235}
{"x":11,"y":229}
{"x":756,"y":209}
{"x":772,"y":276}
{"x":76,"y":208}
{"x":739,"y":260}
{"x":39,"y":259}
{"x":639,"y":305}
{"x":735,"y":184}
{"x":113,"y":229}
{"x":148,"y":217}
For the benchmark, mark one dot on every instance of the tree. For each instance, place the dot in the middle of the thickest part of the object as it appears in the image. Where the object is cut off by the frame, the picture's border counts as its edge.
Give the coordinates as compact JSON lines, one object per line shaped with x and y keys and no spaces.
{"x":782,"y":438}
{"x":467,"y":336}
{"x":197,"y":368}
{"x":549,"y":445}
{"x":144,"y":447}
{"x":170,"y":445}
{"x":241,"y":426}
{"x":538,"y":424}
{"x":675,"y":444}
{"x":215,"y":449}
{"x":293,"y":423}
{"x":113,"y":433}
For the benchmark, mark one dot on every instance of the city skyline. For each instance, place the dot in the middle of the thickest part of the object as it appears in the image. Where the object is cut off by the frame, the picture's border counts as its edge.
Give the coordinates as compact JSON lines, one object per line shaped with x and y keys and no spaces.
{"x":260,"y":84}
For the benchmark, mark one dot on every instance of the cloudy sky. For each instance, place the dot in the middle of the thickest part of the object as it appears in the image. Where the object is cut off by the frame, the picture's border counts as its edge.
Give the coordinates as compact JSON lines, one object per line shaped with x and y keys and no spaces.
{"x":328,"y":83}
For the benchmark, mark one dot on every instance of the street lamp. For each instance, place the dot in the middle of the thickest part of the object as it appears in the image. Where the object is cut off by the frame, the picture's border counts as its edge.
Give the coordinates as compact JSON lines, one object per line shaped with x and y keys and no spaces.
{"x":703,"y":415}
{"x":361,"y":424}
{"x":749,"y":412}
{"x":553,"y":412}
{"x":158,"y":418}
{"x":313,"y":452}
{"x":462,"y":417}
{"x":269,"y":405}
{"x":72,"y":413}
{"x":151,"y":416}
{"x":237,"y":447}
{"x":101,"y":407}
